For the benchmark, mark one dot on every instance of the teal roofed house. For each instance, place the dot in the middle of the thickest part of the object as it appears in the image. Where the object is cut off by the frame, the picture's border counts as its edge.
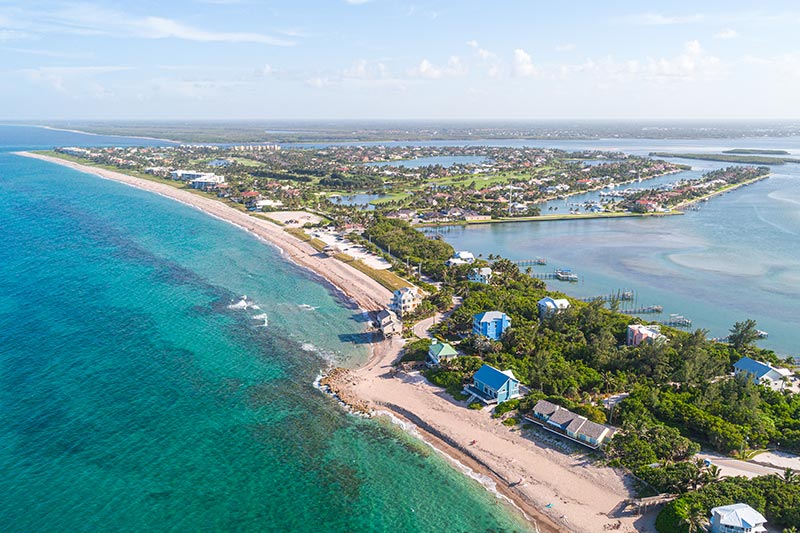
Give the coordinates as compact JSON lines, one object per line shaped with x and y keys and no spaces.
{"x":490,"y":385}
{"x":490,"y":324}
{"x":439,"y":352}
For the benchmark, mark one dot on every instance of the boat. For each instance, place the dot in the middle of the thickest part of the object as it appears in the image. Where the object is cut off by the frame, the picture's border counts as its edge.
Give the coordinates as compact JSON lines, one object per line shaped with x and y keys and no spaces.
{"x":566,"y":275}
{"x":762,"y":334}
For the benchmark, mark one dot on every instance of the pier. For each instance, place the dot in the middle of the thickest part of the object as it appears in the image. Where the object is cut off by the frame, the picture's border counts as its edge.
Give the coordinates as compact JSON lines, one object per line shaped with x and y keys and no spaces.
{"x":676,"y":321}
{"x":560,"y":275}
{"x":539,"y":261}
{"x":650,"y":309}
{"x":621,"y":295}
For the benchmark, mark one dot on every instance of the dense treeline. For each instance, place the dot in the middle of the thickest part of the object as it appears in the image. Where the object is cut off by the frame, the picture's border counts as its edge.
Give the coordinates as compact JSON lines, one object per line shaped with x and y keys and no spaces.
{"x":273,"y":175}
{"x":407,"y":244}
{"x":776,"y":497}
{"x":351,"y":182}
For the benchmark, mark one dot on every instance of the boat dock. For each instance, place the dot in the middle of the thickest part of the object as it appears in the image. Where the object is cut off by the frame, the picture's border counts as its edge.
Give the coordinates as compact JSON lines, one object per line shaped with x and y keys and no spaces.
{"x":538,"y":261}
{"x":677,"y":321}
{"x":650,"y":309}
{"x":621,"y":295}
{"x":560,"y":275}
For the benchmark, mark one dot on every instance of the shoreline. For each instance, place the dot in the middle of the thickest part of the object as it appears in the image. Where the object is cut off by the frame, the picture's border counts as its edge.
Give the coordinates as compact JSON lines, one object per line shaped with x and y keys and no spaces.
{"x":580,"y":495}
{"x":721,"y":191}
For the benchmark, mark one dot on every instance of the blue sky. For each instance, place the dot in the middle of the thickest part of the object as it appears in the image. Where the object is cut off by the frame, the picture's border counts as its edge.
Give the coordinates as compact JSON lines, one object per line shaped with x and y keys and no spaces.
{"x":373,"y":59}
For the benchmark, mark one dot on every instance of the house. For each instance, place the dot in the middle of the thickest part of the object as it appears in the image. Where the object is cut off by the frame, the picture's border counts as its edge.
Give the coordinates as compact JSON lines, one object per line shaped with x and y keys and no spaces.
{"x":438,"y":352}
{"x":572,"y":425}
{"x":461,"y":258}
{"x":736,"y":518}
{"x":762,"y":372}
{"x":187,"y":175}
{"x":204,"y":182}
{"x":550,"y":307}
{"x":388,"y":323}
{"x":638,"y":333}
{"x":480,"y":275}
{"x":490,"y":324}
{"x":490,"y":385}
{"x":405,"y":301}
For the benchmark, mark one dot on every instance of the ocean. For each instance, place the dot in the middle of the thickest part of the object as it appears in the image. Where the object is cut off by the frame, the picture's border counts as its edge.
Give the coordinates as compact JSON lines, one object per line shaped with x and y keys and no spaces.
{"x":140,"y":389}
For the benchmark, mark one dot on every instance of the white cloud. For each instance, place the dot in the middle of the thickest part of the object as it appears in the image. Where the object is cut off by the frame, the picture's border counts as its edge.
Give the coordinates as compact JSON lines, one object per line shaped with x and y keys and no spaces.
{"x":318,"y":82}
{"x":90,"y":19}
{"x":426,"y":70}
{"x":487,"y":58}
{"x":523,"y":64}
{"x":657,"y":19}
{"x":728,"y":33}
{"x":693,"y":63}
{"x":455,"y":67}
{"x":482,"y":53}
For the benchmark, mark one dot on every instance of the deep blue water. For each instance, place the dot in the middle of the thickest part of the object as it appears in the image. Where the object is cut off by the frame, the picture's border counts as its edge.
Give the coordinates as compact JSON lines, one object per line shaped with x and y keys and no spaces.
{"x":137,"y":394}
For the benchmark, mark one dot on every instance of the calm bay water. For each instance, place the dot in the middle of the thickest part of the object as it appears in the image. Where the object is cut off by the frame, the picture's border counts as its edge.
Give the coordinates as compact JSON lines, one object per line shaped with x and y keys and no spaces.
{"x":737,"y":257}
{"x":139,"y":394}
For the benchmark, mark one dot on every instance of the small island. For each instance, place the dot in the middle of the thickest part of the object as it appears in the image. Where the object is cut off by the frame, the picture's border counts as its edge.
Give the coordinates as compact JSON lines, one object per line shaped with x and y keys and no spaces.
{"x":729,"y":157}
{"x":755,"y":151}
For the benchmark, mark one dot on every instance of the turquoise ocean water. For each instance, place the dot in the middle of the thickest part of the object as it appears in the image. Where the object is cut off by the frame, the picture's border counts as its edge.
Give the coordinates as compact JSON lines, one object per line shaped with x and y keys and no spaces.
{"x":139,"y":394}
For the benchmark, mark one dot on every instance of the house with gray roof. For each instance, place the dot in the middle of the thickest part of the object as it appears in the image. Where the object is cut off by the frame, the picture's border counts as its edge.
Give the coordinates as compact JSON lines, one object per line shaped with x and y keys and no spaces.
{"x":571,"y":425}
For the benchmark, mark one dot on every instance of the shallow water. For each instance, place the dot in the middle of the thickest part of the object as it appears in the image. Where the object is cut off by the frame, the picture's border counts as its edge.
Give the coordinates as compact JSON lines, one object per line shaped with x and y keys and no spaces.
{"x":141,"y":392}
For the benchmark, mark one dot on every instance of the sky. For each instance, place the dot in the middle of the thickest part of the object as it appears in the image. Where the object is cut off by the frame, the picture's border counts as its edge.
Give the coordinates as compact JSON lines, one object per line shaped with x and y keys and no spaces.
{"x":390,"y":59}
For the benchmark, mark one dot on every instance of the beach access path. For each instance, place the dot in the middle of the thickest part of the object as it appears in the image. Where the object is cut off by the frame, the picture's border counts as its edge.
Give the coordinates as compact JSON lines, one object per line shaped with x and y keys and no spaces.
{"x":367,"y":293}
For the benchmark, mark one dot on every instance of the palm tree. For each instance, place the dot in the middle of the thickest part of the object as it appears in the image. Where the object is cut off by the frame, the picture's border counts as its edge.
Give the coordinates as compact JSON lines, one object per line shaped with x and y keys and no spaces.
{"x":695,"y":519}
{"x":790,"y":476}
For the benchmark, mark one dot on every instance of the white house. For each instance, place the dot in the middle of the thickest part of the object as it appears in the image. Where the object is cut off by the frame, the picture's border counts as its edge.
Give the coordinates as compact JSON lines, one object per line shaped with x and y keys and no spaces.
{"x":208,"y":180}
{"x":405,"y":300}
{"x":762,"y":372}
{"x":549,"y":306}
{"x":480,"y":275}
{"x":187,"y":175}
{"x":736,"y":518}
{"x":461,"y":258}
{"x":638,"y":333}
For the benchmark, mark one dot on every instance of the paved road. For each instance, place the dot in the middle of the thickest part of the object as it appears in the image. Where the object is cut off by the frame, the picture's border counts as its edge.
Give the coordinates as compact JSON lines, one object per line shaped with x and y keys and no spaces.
{"x":733,"y":467}
{"x":420,"y":329}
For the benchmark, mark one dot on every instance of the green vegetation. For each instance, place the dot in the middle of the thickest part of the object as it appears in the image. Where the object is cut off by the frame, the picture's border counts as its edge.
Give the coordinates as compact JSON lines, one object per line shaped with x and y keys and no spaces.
{"x":756,"y":151}
{"x":398,"y":238}
{"x":730,"y":157}
{"x":416,"y":350}
{"x":776,"y":497}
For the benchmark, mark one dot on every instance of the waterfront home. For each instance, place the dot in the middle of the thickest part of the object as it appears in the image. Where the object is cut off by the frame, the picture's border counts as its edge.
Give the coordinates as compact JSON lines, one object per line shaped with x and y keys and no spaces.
{"x":549,"y":306}
{"x":736,"y":518}
{"x":574,"y":426}
{"x":638,"y":333}
{"x":490,"y":385}
{"x":388,"y":323}
{"x":405,"y":301}
{"x":188,"y":175}
{"x":480,"y":275}
{"x":439,"y":352}
{"x":763,"y":373}
{"x":490,"y":324}
{"x":461,"y":258}
{"x":207,"y":181}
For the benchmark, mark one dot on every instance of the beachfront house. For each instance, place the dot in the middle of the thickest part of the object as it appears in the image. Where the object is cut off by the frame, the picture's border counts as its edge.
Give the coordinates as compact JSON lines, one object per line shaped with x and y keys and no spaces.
{"x":763,"y":373}
{"x":490,"y":324}
{"x":551,"y":306}
{"x":388,"y":323}
{"x":461,"y":258}
{"x":490,"y":385}
{"x":439,"y":352}
{"x":480,"y":275}
{"x":574,"y":426}
{"x":405,"y":301}
{"x":736,"y":518}
{"x":638,"y":333}
{"x":187,"y":175}
{"x":207,"y":181}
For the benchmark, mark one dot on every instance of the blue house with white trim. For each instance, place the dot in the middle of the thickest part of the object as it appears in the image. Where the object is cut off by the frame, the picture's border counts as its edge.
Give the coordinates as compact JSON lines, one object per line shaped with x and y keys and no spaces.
{"x":490,"y":385}
{"x":490,"y":324}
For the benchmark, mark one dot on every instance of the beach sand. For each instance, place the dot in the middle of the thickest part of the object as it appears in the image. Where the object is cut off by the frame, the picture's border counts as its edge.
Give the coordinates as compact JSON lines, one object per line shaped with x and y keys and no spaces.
{"x":528,"y":471}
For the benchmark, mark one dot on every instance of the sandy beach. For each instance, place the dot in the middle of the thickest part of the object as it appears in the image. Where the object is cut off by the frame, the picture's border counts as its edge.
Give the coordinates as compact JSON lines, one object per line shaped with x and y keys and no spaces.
{"x":559,"y":491}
